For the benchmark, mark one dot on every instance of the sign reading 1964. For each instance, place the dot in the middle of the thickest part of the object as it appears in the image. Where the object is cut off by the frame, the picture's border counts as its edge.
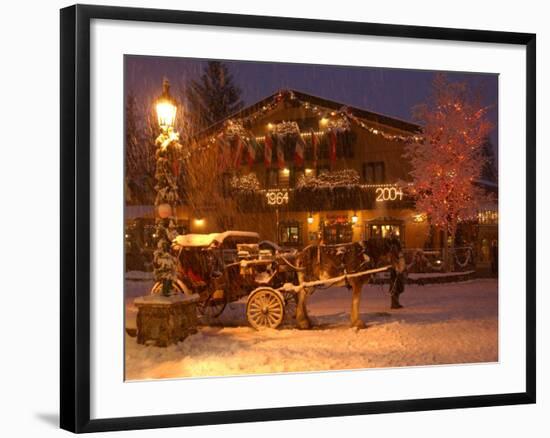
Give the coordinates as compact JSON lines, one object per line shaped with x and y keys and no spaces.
{"x":277,"y":197}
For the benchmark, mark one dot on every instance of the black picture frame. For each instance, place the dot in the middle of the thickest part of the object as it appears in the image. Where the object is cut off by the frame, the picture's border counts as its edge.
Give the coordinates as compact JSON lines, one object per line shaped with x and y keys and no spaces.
{"x":75,"y":217}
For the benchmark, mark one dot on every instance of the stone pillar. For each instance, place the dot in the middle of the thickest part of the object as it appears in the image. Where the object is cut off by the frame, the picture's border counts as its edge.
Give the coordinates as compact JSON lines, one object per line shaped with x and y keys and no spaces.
{"x":163,"y":321}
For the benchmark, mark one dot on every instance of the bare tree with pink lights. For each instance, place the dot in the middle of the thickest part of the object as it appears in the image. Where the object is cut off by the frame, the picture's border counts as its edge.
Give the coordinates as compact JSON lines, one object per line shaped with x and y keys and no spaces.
{"x":450,"y":159}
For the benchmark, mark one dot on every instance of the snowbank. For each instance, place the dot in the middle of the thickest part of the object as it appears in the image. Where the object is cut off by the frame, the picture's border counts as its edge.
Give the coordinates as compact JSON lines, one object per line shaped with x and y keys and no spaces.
{"x":440,"y":324}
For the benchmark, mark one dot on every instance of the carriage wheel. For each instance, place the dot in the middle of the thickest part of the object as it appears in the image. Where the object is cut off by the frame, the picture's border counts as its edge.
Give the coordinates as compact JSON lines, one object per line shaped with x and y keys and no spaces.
{"x":212,"y":307}
{"x":265,"y":308}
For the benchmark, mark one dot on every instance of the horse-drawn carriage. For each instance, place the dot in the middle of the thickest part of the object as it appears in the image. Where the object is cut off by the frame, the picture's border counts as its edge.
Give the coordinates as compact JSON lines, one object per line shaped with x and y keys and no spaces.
{"x":225,"y":267}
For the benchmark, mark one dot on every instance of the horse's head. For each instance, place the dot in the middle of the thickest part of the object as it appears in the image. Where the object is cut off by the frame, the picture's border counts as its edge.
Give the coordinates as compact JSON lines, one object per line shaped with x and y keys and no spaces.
{"x":382,"y":251}
{"x":327,"y":261}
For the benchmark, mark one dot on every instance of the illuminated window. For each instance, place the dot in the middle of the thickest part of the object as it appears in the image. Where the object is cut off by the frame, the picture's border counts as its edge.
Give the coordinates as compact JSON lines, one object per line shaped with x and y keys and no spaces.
{"x":290,"y":234}
{"x":337,"y":233}
{"x":384,"y":230}
{"x":337,"y":230}
{"x":284,"y":177}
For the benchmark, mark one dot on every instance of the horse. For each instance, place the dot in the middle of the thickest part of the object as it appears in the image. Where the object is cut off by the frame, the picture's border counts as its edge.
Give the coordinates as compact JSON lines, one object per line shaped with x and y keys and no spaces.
{"x":326,"y":262}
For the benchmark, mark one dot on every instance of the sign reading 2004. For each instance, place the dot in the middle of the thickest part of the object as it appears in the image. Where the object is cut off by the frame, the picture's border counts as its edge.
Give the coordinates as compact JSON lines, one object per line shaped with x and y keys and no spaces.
{"x":388,"y":194}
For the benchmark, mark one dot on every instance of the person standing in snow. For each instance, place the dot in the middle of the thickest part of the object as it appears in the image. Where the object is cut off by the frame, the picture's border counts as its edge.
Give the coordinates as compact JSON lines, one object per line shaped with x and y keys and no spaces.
{"x":397,"y":272}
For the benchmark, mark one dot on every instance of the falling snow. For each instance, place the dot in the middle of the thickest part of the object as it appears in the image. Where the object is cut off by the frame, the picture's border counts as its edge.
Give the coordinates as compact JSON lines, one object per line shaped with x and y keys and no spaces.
{"x":441,"y":324}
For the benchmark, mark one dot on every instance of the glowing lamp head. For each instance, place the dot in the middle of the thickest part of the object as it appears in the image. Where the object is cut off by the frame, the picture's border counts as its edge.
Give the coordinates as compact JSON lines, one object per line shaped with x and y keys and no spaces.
{"x":166,"y":107}
{"x":310,"y":219}
{"x":354,"y":218}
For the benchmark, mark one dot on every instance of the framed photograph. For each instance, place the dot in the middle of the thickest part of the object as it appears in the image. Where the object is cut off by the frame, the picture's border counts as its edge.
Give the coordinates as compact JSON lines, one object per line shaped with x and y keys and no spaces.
{"x":267,"y":218}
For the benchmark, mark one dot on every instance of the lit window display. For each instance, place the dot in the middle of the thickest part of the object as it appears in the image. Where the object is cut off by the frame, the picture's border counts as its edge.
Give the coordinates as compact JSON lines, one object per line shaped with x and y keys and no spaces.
{"x":289,"y":234}
{"x":384,"y":230}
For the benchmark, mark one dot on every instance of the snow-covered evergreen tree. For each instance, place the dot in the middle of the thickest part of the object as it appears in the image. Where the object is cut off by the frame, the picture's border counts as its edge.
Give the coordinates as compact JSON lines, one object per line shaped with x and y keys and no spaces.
{"x":213,"y":97}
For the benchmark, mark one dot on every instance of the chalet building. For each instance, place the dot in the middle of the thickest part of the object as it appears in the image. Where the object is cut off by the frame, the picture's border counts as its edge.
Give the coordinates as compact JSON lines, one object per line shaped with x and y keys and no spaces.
{"x":308,"y":169}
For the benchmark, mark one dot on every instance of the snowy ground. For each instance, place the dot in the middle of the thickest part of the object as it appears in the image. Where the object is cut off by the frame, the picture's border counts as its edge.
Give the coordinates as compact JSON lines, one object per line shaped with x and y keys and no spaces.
{"x":440,"y":324}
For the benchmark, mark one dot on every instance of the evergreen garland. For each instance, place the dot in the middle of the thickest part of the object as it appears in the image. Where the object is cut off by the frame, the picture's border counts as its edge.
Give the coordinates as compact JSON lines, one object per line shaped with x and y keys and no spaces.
{"x":165,"y":263}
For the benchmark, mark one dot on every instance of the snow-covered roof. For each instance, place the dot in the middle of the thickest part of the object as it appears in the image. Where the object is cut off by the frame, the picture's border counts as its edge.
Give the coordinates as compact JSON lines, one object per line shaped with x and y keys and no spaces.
{"x":209,"y":239}
{"x":370,"y":116}
{"x":195,"y":239}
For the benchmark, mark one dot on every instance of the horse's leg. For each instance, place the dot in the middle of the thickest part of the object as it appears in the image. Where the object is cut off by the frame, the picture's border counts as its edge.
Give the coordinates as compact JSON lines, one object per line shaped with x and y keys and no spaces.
{"x":356,"y":287}
{"x":302,"y":319}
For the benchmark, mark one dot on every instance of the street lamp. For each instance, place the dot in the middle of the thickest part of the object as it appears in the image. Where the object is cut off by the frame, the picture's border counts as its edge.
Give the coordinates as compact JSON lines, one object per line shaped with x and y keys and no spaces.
{"x":166,"y":108}
{"x":168,"y":154}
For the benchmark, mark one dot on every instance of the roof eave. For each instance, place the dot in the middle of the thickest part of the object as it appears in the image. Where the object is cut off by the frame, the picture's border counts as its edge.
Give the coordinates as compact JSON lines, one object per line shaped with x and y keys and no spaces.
{"x":366,"y":115}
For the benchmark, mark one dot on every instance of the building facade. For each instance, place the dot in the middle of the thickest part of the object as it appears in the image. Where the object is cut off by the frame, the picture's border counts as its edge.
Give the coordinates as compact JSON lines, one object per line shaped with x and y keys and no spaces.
{"x":303,"y":169}
{"x":322,"y":171}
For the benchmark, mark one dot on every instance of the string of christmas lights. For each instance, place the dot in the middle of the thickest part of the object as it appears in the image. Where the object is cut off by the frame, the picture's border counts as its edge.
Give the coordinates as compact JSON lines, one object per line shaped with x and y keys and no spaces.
{"x":236,"y":127}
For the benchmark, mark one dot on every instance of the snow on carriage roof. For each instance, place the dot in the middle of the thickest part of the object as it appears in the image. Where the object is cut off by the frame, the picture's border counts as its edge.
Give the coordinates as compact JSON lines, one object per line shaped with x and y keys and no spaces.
{"x":209,"y":239}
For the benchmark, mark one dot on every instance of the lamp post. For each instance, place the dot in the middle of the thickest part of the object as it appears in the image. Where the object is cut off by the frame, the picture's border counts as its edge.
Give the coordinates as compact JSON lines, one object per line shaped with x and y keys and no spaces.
{"x":168,"y":319}
{"x":166,"y":189}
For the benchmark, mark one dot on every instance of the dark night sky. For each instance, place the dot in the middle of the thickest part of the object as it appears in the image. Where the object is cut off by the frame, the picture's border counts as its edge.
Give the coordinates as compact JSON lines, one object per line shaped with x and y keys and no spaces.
{"x":393,"y":92}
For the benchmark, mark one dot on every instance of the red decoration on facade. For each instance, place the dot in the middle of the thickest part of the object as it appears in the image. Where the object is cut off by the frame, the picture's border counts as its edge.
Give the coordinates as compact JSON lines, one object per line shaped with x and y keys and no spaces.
{"x":268,"y":151}
{"x":315,"y":147}
{"x":299,"y":151}
{"x":238,"y":152}
{"x":221,"y":144}
{"x":280,"y":153}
